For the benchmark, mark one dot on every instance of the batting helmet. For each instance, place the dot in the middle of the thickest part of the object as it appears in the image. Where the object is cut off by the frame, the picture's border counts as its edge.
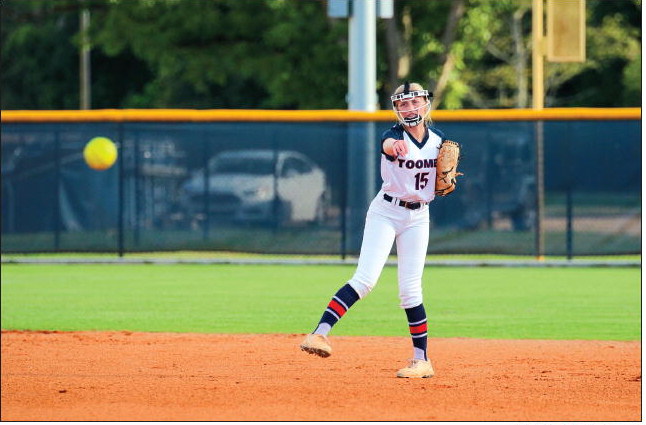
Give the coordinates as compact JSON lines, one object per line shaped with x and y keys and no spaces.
{"x":410,"y":91}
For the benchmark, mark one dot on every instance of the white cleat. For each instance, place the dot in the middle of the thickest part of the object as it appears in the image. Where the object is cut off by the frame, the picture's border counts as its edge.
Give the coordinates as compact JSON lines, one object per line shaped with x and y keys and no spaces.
{"x":316,"y":344}
{"x":417,"y":369}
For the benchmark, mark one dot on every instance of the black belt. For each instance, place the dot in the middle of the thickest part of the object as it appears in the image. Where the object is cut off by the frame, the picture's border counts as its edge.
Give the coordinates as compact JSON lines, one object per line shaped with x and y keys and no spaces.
{"x":405,"y":204}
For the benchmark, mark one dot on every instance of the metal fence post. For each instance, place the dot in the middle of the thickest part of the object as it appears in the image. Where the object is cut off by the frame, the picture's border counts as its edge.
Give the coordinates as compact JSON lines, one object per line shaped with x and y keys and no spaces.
{"x":540,"y":191}
{"x":121,"y":209}
{"x":361,"y":180}
{"x":344,"y":200}
{"x":569,"y":212}
{"x":137,"y":188}
{"x":57,"y":191}
{"x":277,"y":207}
{"x":206,"y":188}
{"x":568,"y":197}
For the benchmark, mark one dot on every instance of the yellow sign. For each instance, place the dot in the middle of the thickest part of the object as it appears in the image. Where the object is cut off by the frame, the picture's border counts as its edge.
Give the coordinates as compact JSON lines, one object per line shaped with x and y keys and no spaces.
{"x":566,"y":30}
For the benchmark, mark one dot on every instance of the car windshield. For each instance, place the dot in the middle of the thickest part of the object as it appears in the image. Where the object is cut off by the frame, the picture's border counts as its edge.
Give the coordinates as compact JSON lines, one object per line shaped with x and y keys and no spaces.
{"x":257,"y":166}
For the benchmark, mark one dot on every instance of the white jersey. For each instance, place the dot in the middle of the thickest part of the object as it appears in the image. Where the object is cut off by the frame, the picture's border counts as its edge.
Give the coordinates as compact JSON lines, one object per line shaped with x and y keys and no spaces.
{"x":412,"y":177}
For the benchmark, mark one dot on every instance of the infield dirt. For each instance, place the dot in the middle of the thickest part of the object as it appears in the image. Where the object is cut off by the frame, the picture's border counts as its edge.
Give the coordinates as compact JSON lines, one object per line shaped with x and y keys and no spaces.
{"x":116,"y":376}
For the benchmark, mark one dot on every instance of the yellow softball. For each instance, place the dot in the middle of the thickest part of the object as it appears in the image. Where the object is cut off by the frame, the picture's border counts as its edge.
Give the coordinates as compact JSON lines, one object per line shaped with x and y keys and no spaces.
{"x":100,"y":153}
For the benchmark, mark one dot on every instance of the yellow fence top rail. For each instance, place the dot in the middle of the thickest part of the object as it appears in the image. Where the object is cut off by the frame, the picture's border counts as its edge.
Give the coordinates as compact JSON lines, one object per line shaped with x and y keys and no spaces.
{"x":330,"y":115}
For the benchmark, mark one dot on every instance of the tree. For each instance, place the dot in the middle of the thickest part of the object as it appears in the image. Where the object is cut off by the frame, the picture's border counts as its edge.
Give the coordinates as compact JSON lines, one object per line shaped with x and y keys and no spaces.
{"x":608,"y":77}
{"x":480,"y":54}
{"x":39,"y":60}
{"x":307,"y":57}
{"x":288,"y":54}
{"x":230,"y":53}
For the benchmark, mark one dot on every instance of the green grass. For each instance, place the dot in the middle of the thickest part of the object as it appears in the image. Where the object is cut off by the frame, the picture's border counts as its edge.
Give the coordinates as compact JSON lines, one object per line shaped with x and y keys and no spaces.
{"x":232,"y":255}
{"x":490,"y":302}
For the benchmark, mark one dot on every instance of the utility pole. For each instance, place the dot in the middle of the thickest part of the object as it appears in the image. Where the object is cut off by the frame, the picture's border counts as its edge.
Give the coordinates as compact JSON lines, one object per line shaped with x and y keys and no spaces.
{"x":538,"y":52}
{"x":362,"y":60}
{"x":85,"y":87}
{"x":538,"y":94}
{"x":565,"y":42}
{"x":362,"y":96}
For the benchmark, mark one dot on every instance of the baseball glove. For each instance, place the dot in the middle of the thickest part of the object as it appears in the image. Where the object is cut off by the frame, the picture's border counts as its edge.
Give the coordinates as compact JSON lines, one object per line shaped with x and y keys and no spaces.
{"x":447,"y":168}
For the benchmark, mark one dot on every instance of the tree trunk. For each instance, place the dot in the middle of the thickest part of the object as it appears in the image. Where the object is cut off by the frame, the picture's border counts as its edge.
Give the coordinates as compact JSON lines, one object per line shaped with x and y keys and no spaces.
{"x":447,"y":60}
{"x":393,"y":43}
{"x":398,"y":50}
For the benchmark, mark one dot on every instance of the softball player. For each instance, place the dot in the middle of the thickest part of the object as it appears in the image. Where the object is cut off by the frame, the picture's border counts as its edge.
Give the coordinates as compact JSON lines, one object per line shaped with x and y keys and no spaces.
{"x":398,"y":213}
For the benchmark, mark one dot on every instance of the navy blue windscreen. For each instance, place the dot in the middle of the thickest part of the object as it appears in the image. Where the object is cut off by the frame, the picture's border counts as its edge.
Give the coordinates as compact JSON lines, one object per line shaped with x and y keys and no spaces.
{"x":289,"y":188}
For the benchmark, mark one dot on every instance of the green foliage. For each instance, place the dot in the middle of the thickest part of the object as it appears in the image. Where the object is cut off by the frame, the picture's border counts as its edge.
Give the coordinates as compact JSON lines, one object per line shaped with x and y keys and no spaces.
{"x":495,"y":57}
{"x":632,"y":79}
{"x":612,"y":45}
{"x":194,"y":49}
{"x":552,"y":303}
{"x":289,"y":54}
{"x":229,"y":53}
{"x":306,"y":58}
{"x":39,"y":60}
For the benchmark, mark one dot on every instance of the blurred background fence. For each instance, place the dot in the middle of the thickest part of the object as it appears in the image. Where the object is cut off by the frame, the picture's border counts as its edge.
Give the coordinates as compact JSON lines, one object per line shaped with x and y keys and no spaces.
{"x":280,"y":182}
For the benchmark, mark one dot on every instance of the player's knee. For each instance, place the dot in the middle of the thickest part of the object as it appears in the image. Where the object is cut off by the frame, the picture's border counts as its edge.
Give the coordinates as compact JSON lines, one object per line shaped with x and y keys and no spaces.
{"x":410,"y":300}
{"x":362,"y":286}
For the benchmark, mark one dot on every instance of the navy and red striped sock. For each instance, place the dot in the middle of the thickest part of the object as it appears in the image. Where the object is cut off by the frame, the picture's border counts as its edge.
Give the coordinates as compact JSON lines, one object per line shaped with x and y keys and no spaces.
{"x":418,"y":330}
{"x":337,"y":307}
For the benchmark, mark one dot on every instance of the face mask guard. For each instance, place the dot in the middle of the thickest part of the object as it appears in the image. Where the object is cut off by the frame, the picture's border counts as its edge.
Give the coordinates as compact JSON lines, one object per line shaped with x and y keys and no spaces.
{"x":407,"y":94}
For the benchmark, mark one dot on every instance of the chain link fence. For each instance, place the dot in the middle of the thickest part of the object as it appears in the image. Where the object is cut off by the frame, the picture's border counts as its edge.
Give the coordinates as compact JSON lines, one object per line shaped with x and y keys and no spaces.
{"x":288,"y":187}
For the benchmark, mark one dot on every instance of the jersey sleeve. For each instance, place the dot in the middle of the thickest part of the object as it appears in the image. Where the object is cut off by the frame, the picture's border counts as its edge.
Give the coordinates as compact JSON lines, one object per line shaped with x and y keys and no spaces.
{"x":395,"y":132}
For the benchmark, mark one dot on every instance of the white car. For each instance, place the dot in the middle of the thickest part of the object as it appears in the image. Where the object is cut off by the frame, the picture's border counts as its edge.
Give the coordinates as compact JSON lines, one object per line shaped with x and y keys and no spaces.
{"x":259,"y":186}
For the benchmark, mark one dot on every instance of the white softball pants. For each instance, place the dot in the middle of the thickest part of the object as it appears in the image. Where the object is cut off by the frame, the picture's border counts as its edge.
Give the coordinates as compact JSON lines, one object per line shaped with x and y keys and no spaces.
{"x":385,"y":223}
